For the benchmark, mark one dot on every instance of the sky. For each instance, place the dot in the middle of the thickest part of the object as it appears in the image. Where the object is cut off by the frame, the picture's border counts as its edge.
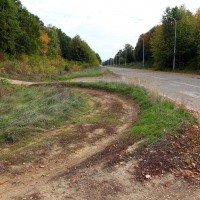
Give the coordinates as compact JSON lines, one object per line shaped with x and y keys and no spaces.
{"x":106,"y":25}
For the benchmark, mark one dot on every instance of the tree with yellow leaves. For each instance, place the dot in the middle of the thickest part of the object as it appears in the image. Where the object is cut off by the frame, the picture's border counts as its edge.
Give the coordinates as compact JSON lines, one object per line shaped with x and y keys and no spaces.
{"x":44,"y":39}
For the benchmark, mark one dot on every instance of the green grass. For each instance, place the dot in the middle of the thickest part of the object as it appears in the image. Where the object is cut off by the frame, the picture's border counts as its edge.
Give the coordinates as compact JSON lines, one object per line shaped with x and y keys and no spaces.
{"x":135,"y":65}
{"x":156,"y":117}
{"x":90,"y":72}
{"x":26,"y":111}
{"x":161,"y":117}
{"x":148,"y":66}
{"x":138,"y":94}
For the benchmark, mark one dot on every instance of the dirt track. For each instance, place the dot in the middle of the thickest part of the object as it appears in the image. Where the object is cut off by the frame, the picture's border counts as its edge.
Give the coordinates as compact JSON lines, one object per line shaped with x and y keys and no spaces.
{"x":84,"y":141}
{"x":81,"y":162}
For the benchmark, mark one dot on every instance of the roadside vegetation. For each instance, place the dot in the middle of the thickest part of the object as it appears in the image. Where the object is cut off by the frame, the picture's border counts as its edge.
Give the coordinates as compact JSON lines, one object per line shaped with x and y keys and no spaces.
{"x":159,"y":43}
{"x":157,"y":114}
{"x":45,"y":69}
{"x":89,"y":72}
{"x":27,"y":111}
{"x":170,"y":136}
{"x":30,"y":50}
{"x":36,"y":108}
{"x":39,"y":123}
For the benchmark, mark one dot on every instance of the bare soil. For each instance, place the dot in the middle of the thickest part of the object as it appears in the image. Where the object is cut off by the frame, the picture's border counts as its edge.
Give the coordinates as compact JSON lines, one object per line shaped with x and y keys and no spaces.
{"x":32,"y":167}
{"x":89,"y":159}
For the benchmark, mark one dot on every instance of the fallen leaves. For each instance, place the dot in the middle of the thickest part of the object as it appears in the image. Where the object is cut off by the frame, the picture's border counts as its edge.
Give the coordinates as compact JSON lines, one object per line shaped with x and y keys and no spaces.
{"x":178,"y":154}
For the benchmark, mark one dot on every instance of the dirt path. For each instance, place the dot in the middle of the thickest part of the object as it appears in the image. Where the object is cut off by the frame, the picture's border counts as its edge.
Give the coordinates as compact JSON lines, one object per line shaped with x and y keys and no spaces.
{"x":113,"y":117}
{"x":87,"y":160}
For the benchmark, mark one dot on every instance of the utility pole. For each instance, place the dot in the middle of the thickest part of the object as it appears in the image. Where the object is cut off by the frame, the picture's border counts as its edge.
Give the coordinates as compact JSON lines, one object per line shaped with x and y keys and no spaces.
{"x":125,"y":57}
{"x":174,"y":59}
{"x":143,"y":50}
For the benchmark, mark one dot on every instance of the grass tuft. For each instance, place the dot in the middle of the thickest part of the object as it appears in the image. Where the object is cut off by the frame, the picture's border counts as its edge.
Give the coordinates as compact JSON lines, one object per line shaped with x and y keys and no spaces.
{"x":156,"y":117}
{"x":30,"y":110}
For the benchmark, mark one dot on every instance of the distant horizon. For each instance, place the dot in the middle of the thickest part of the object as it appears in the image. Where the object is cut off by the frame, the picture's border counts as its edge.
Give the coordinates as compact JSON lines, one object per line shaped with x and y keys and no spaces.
{"x":105,"y":26}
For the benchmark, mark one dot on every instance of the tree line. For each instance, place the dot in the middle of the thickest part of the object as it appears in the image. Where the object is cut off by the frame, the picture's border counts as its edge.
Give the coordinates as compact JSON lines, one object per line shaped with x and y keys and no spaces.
{"x":22,"y":33}
{"x":159,"y":42}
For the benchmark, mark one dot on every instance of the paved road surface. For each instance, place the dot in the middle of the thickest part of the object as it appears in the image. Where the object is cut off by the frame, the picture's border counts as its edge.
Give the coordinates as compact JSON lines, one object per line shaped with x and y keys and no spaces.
{"x":181,"y":88}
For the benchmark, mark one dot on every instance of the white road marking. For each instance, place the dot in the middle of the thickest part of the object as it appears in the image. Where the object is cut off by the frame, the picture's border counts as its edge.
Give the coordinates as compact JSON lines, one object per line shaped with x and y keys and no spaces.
{"x":159,"y":78}
{"x":186,"y":84}
{"x":174,"y":84}
{"x":168,"y":80}
{"x":192,"y":94}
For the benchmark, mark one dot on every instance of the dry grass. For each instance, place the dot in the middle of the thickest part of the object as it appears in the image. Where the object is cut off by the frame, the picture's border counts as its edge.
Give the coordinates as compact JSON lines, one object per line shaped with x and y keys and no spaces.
{"x":27,"y":111}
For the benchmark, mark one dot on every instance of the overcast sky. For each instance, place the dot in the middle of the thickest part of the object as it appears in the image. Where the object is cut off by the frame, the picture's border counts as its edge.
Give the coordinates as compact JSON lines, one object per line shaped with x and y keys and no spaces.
{"x":106,"y":25}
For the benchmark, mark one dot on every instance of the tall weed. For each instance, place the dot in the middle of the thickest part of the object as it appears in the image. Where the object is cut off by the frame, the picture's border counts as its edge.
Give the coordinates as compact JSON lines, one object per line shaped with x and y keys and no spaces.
{"x":37,"y":67}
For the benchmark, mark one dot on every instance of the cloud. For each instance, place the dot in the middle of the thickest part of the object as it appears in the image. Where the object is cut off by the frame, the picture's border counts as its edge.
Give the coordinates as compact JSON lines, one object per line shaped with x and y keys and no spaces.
{"x":106,"y":25}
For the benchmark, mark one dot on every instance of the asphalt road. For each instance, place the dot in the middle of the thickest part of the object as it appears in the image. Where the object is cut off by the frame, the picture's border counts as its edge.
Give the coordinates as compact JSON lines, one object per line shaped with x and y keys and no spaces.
{"x":184,"y":89}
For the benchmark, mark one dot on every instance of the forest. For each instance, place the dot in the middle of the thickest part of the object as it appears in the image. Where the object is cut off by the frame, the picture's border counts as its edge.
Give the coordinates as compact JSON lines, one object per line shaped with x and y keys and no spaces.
{"x":29,"y":47}
{"x":159,"y":43}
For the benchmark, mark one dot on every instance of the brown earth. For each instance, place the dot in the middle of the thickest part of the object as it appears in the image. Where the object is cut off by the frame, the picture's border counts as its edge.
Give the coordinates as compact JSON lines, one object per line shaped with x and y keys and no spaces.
{"x":32,"y":167}
{"x":89,"y":159}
